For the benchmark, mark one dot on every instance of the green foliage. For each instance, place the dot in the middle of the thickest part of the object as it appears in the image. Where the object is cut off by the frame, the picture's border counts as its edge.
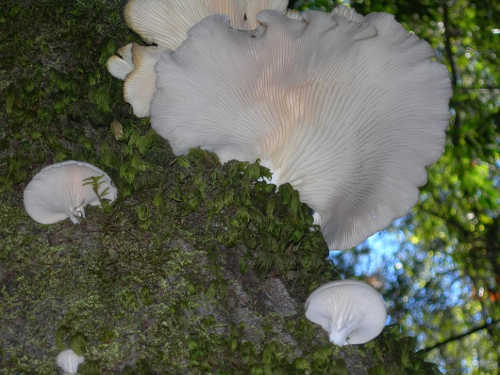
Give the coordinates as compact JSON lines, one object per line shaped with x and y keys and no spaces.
{"x":322,"y":5}
{"x":451,"y":267}
{"x":392,"y":343}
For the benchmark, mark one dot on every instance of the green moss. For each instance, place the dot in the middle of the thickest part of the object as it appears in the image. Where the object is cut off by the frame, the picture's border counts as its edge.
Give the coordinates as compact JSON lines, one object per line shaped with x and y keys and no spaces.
{"x":116,"y":292}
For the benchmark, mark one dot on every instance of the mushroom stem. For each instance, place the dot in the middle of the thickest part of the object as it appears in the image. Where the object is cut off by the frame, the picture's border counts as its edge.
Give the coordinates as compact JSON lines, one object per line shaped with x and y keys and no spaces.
{"x":342,"y":329}
{"x":81,"y":212}
{"x":77,"y":213}
{"x":339,"y":336}
{"x":74,"y":219}
{"x":316,"y":218}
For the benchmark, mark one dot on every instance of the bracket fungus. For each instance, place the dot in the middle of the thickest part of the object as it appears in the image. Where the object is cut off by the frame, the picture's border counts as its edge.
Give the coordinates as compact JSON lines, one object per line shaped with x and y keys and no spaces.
{"x":60,"y":191}
{"x":166,"y":23}
{"x":347,"y":109}
{"x":352,"y":312}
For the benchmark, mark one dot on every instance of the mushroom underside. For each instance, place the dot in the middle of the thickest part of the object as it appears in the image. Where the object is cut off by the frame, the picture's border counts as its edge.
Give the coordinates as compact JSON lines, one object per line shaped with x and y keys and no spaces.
{"x":62,"y":191}
{"x":347,"y":109}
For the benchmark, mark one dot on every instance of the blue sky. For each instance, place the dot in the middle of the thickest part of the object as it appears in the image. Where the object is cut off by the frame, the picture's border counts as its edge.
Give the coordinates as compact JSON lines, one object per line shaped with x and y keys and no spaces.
{"x":384,"y":245}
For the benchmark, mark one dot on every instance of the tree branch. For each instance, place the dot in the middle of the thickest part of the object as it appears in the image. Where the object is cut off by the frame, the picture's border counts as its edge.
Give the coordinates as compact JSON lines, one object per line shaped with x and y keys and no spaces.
{"x":453,"y":67}
{"x":460,"y":336}
{"x":486,"y":88}
{"x":447,"y":44}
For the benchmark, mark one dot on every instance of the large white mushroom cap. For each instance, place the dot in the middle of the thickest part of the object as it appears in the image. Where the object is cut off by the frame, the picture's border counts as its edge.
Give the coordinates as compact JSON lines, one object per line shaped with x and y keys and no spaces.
{"x":348,"y":109}
{"x":59,"y":191}
{"x":165,"y":23}
{"x":352,"y":312}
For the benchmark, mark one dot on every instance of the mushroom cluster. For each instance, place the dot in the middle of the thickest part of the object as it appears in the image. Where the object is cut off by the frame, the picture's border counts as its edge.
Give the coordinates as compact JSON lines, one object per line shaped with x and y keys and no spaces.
{"x":347,"y":109}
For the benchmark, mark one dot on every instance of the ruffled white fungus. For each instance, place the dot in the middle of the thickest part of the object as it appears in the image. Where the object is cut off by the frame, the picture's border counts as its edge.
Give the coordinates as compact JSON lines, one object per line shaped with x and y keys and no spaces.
{"x":165,"y":23}
{"x":59,"y":191}
{"x":139,"y":86}
{"x":69,"y":361}
{"x":135,"y":65}
{"x":348,"y":109}
{"x":121,"y":65}
{"x":352,"y":312}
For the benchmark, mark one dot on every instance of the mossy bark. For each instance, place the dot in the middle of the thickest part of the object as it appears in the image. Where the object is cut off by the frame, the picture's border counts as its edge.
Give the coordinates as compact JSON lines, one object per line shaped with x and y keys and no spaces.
{"x":196,"y":268}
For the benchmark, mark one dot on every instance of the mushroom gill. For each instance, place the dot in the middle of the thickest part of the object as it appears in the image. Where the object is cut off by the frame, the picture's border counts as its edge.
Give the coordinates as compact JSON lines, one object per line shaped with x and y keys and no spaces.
{"x":347,"y":109}
{"x":63,"y":190}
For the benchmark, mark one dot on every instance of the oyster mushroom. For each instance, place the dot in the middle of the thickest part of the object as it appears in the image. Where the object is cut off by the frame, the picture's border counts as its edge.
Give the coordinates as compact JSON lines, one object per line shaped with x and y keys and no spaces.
{"x":140,"y":85}
{"x":352,"y":312}
{"x":165,"y":23}
{"x":347,"y":109}
{"x":60,"y":191}
{"x":135,"y":65}
{"x":121,"y":64}
{"x":69,"y":361}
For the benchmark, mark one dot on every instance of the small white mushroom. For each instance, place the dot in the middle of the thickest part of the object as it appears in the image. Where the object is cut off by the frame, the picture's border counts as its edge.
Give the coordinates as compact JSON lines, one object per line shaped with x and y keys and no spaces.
{"x":135,"y":65}
{"x":165,"y":23}
{"x":347,"y":109}
{"x":121,"y":64}
{"x":140,"y":84}
{"x":60,"y":191}
{"x":69,"y":361}
{"x":352,"y":312}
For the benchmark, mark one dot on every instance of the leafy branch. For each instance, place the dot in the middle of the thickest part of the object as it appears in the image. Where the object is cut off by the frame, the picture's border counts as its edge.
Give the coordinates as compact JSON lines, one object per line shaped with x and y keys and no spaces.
{"x":460,"y":336}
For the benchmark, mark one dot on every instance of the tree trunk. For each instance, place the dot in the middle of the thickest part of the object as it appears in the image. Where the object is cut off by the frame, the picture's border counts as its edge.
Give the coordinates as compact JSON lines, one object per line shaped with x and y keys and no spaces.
{"x":197,"y":268}
{"x":203,"y":269}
